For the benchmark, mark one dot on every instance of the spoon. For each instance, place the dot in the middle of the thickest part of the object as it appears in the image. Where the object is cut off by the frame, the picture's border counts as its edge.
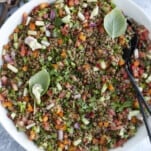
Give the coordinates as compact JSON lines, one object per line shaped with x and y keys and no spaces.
{"x":7,"y":5}
{"x":127,"y":54}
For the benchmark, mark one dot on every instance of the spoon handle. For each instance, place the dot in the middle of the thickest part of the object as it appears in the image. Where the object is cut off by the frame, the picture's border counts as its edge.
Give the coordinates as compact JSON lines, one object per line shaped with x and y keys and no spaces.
{"x":137,"y":90}
{"x":141,"y":101}
{"x":145,"y":118}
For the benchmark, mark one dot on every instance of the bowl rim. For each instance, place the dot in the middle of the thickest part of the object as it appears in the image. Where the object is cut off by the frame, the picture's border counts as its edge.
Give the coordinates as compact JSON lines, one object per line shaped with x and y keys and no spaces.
{"x":12,"y":131}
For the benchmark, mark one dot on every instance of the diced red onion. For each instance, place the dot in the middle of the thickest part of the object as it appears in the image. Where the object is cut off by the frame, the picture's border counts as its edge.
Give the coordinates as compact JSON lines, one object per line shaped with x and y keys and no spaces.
{"x":111,"y":112}
{"x":52,"y":14}
{"x":29,"y":39}
{"x":4,"y":80}
{"x":76,"y":126}
{"x":46,"y":126}
{"x":45,"y":16}
{"x":29,"y":52}
{"x":92,"y":24}
{"x":114,"y":128}
{"x":61,"y":64}
{"x":14,"y":86}
{"x":60,"y":135}
{"x":76,"y":2}
{"x":1,"y":98}
{"x":20,"y":123}
{"x":47,"y":25}
{"x":24,"y":119}
{"x":13,"y":54}
{"x":68,"y":86}
{"x":74,"y":78}
{"x":7,"y":58}
{"x":77,"y":96}
{"x":90,"y":115}
{"x":120,"y":143}
{"x":62,"y":94}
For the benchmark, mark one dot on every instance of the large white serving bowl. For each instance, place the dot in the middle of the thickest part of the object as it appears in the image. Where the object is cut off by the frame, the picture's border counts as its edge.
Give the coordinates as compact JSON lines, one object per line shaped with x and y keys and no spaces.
{"x":138,"y":143}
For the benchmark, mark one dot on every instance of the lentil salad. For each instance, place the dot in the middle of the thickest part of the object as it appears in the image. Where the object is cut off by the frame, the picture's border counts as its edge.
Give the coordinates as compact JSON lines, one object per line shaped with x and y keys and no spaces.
{"x":85,"y":106}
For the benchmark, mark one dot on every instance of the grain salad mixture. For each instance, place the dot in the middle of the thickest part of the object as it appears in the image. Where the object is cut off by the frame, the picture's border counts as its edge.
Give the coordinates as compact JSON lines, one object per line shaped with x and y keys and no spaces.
{"x":63,"y":80}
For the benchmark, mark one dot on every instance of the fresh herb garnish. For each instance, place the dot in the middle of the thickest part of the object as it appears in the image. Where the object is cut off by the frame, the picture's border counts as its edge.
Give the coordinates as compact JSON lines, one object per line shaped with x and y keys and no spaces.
{"x":38,"y":84}
{"x":115,"y":23}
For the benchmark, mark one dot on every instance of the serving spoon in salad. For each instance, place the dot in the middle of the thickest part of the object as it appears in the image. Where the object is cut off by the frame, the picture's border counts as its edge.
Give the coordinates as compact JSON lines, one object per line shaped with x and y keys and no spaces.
{"x":127,"y":54}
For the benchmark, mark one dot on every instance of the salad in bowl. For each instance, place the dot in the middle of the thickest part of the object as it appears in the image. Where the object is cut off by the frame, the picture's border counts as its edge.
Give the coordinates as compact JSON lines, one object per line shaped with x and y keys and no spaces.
{"x":63,"y":81}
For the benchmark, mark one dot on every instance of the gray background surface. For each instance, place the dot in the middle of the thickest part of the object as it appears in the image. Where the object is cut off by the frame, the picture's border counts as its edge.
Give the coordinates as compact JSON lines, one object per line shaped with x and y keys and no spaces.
{"x":7,"y":143}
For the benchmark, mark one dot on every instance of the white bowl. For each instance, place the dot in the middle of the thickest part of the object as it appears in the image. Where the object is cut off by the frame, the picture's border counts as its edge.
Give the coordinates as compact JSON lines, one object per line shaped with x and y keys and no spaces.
{"x":139,"y":142}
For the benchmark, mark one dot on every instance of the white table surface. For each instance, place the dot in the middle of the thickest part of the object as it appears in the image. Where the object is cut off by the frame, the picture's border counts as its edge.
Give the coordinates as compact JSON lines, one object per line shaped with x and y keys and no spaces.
{"x":8,"y":144}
